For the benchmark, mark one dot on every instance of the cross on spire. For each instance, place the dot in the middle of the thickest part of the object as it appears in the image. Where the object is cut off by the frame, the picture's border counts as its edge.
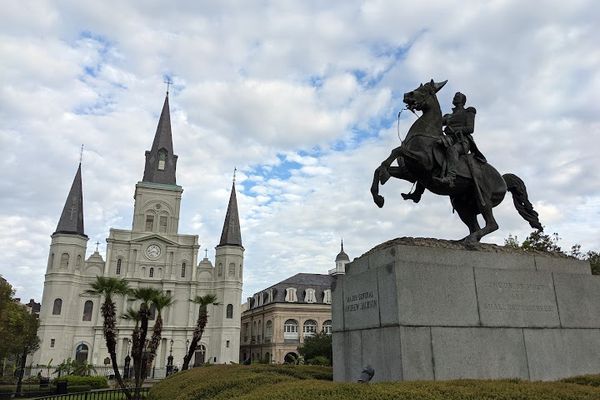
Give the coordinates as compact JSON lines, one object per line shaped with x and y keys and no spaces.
{"x":81,"y":154}
{"x":97,"y":244}
{"x":205,"y":253}
{"x":234,"y":171}
{"x":169,"y":82}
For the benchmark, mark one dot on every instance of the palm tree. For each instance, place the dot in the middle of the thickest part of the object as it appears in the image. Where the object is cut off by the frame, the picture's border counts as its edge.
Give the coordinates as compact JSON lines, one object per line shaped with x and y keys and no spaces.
{"x":146,"y":295}
{"x":203,"y":301}
{"x":109,"y":287}
{"x":160,"y":302}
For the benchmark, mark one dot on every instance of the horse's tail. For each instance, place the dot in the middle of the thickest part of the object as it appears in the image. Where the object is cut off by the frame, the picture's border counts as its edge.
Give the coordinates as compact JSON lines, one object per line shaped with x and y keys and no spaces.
{"x":517,"y":188}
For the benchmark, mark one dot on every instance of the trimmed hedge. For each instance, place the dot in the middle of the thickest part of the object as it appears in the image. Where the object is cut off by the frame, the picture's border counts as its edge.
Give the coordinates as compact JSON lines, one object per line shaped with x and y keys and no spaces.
{"x":589,"y":380}
{"x":282,"y":382}
{"x":231,"y":381}
{"x":94,"y":382}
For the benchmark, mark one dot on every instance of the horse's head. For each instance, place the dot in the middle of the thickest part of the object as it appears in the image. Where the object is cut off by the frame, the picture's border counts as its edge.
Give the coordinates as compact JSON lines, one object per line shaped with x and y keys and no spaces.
{"x":420,"y":98}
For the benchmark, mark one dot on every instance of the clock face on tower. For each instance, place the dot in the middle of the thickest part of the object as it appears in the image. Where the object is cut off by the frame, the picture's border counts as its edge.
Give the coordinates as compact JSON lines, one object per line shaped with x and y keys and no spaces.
{"x":153,"y":251}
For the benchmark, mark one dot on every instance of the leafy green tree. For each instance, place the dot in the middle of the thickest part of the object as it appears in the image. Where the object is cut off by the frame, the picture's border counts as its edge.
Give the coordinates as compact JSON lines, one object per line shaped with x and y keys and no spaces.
{"x":18,"y":330}
{"x":203,"y":301}
{"x":538,"y":240}
{"x":512,"y":241}
{"x":594,"y":258}
{"x":316,"y":348}
{"x":109,"y":287}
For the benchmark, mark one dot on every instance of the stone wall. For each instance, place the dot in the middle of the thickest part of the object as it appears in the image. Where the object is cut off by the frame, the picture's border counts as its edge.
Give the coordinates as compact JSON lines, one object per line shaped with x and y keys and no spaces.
{"x":438,"y":310}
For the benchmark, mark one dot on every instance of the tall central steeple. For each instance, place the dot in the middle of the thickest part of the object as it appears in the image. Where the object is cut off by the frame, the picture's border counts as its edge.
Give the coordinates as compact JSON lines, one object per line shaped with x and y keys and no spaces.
{"x":161,"y":163}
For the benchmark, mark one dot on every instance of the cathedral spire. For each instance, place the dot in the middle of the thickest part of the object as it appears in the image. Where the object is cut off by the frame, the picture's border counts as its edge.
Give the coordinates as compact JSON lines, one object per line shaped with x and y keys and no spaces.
{"x":231,"y":234}
{"x":71,"y":219}
{"x":161,"y":163}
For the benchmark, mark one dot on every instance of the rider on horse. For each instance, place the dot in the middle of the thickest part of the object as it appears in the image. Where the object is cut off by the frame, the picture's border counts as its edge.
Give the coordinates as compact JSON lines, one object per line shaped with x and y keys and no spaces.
{"x":458,"y":140}
{"x":459,"y":127}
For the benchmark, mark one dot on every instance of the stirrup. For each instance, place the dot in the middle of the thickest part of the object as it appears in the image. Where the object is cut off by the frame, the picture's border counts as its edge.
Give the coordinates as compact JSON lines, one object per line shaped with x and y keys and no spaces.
{"x":446,"y":180}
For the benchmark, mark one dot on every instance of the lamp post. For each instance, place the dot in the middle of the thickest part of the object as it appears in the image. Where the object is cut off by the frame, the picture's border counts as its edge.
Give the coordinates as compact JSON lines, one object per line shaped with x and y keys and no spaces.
{"x":170,"y":360}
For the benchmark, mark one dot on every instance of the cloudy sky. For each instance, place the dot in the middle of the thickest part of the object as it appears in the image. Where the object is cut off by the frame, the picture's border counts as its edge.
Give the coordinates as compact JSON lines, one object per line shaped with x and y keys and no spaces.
{"x":301,"y":97}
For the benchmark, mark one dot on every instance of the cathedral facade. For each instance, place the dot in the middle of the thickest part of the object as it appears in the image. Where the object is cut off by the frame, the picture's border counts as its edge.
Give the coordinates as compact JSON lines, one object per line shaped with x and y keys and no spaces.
{"x":151,"y":254}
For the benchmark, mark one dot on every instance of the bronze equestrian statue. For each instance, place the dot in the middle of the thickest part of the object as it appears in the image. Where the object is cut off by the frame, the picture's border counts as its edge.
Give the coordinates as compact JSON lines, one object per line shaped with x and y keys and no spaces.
{"x":474,"y":186}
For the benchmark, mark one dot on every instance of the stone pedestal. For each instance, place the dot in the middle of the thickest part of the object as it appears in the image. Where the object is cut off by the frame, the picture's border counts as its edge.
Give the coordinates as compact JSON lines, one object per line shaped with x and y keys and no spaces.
{"x":423,"y":309}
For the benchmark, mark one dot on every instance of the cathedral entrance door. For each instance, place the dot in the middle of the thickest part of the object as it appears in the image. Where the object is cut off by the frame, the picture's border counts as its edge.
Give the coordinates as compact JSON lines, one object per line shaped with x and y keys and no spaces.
{"x":199,"y":356}
{"x":81,"y":353}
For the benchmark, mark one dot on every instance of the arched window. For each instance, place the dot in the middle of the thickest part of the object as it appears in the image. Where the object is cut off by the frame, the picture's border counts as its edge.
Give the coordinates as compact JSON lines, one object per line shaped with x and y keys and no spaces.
{"x":81,"y":353}
{"x":57,"y":307}
{"x":290,"y":330}
{"x":229,"y":312}
{"x":162,"y":223}
{"x":183,"y":270}
{"x":151,"y":274}
{"x":268,"y":329}
{"x":64,"y":260}
{"x":51,"y":262}
{"x":149,"y":223}
{"x":240,"y":272}
{"x":78,"y":262}
{"x":220,"y":269}
{"x":310,"y":328}
{"x":232,"y":270}
{"x":88,"y":307}
{"x":118,"y":270}
{"x":162,"y":159}
{"x":152,"y":312}
{"x":327,"y":327}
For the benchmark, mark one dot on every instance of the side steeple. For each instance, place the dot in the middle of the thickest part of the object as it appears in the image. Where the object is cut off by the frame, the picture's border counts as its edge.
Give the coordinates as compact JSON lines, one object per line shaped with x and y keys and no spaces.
{"x":71,"y":219}
{"x":231,"y":234}
{"x":161,"y":163}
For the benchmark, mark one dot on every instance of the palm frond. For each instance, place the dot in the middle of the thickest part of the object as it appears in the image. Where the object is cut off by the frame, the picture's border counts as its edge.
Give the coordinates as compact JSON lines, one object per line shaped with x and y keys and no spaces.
{"x":205,"y":300}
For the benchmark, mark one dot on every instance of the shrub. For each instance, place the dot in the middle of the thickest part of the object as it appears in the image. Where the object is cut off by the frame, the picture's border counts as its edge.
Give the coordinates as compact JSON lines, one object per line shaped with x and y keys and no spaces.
{"x":589,"y":380}
{"x":319,"y":360}
{"x":79,"y":388}
{"x":288,"y":382}
{"x":95,"y":382}
{"x":231,"y":381}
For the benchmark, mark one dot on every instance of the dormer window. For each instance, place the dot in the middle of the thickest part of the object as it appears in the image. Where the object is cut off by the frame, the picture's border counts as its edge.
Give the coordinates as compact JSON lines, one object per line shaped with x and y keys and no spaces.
{"x":162,"y":159}
{"x":309,"y":296}
{"x":290,"y":295}
{"x":327,"y":296}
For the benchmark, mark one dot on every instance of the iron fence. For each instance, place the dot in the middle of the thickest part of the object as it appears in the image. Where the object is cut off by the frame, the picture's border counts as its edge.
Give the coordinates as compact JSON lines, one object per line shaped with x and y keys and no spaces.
{"x":109,"y":394}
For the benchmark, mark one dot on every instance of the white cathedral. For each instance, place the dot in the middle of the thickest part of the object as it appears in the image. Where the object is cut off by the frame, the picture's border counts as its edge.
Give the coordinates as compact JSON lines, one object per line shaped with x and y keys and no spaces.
{"x":151,"y":254}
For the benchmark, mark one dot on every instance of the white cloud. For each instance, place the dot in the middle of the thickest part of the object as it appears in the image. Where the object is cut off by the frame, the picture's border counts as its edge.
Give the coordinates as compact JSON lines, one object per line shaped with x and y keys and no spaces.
{"x":300,"y":97}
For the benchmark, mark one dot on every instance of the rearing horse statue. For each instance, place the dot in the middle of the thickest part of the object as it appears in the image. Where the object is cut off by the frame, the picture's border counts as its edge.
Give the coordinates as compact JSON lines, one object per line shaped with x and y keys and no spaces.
{"x":478,"y":187}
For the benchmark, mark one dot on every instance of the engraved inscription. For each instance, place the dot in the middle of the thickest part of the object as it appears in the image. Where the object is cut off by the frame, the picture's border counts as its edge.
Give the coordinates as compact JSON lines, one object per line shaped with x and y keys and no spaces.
{"x":521,"y":296}
{"x":517,"y":307}
{"x":360,"y":301}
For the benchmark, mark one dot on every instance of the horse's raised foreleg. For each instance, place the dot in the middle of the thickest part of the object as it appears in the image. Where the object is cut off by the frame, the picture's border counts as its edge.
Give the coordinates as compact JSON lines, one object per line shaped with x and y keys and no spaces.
{"x":399,"y":172}
{"x":377,"y":198}
{"x":382,"y":175}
